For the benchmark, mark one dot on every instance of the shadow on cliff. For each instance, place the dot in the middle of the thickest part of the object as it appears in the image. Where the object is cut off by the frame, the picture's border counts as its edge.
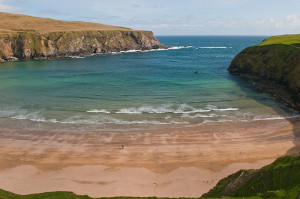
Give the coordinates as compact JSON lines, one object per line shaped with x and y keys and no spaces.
{"x":248,"y":86}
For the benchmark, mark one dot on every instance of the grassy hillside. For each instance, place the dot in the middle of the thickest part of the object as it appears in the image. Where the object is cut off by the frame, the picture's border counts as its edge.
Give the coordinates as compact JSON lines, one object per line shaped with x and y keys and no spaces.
{"x":11,"y":23}
{"x":282,"y":39}
{"x":281,"y":179}
{"x":25,"y":37}
{"x":276,"y":61}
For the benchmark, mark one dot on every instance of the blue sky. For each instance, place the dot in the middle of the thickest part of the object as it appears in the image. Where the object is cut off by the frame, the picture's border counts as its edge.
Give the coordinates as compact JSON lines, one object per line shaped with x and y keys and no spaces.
{"x":173,"y":17}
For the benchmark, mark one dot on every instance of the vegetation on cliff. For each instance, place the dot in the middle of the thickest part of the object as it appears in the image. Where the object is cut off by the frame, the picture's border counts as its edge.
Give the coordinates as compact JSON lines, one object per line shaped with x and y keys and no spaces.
{"x":25,"y":37}
{"x":277,"y":61}
{"x":281,"y":179}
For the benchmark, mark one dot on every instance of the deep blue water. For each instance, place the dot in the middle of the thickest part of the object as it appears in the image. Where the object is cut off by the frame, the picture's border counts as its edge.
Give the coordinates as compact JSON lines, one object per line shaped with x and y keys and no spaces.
{"x":137,"y":89}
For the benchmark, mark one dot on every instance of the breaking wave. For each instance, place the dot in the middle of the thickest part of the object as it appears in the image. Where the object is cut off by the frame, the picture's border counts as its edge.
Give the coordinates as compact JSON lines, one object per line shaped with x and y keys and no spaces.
{"x":212,"y":47}
{"x":178,"y":109}
{"x":98,"y":111}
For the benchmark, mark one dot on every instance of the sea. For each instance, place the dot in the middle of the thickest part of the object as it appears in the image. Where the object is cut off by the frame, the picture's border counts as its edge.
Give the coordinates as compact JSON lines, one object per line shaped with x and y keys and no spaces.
{"x":136,"y":89}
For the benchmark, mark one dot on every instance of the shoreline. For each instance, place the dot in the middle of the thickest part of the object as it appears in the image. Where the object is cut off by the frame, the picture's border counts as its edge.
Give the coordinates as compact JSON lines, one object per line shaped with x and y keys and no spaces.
{"x":184,"y":162}
{"x":271,"y":87}
{"x":85,"y":55}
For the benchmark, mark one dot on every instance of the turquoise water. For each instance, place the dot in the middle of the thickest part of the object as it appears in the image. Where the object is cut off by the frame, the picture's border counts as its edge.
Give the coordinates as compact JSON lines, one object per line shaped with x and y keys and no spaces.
{"x":136,"y":89}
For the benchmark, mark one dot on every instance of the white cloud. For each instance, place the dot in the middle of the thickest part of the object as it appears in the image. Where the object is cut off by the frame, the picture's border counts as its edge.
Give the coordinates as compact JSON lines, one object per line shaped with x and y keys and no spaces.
{"x":4,"y":7}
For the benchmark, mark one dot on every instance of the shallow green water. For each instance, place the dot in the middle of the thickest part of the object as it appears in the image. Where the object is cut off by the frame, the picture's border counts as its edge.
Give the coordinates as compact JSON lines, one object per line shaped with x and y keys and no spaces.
{"x":135,"y":89}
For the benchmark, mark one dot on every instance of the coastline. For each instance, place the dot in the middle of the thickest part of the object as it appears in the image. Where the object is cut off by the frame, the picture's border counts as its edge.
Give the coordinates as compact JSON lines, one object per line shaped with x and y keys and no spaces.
{"x":101,"y":133}
{"x":22,"y":46}
{"x":171,"y":162}
{"x":84,"y":55}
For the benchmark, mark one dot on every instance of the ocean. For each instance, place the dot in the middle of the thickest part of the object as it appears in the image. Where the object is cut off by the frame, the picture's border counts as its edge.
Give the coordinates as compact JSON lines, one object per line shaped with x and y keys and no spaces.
{"x":136,"y":90}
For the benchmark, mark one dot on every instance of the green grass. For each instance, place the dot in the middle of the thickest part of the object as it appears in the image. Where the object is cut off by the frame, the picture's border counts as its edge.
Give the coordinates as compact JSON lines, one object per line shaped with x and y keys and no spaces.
{"x":14,"y":23}
{"x":282,"y":39}
{"x":281,"y":179}
{"x":69,"y":195}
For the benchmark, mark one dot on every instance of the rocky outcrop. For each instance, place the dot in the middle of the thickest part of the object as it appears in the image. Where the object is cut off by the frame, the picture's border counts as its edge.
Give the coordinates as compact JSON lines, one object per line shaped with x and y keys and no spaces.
{"x":26,"y":45}
{"x":275,"y":67}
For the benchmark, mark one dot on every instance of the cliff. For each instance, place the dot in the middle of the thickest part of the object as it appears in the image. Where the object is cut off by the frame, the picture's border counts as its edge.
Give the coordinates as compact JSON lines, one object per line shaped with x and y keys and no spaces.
{"x":275,"y":65}
{"x":24,"y":37}
{"x":281,"y":179}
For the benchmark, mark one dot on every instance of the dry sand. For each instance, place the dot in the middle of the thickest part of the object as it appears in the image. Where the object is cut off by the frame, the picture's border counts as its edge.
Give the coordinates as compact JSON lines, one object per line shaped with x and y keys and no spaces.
{"x":178,"y":162}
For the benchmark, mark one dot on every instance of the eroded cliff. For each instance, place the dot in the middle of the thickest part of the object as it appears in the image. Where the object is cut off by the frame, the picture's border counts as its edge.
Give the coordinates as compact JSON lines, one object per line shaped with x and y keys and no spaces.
{"x":275,"y":65}
{"x":32,"y":45}
{"x":24,"y":37}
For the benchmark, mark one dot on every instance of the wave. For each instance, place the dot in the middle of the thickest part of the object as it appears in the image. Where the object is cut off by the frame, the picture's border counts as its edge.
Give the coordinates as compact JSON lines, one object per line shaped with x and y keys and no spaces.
{"x":98,"y":111}
{"x":34,"y":116}
{"x":165,"y":108}
{"x":212,"y":47}
{"x":178,"y":47}
{"x":94,"y":121}
{"x":159,"y":49}
{"x":215,"y":108}
{"x":185,"y":115}
{"x":217,"y":121}
{"x":131,"y":51}
{"x":178,"y":109}
{"x":275,"y":118}
{"x":77,"y":57}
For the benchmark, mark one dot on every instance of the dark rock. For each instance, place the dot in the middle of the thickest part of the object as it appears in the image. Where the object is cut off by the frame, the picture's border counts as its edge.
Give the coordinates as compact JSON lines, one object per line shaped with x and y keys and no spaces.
{"x":34,"y":45}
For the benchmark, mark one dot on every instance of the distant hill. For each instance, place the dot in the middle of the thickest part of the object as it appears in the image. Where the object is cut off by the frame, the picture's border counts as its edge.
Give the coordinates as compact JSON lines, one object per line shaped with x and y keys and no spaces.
{"x":10,"y":23}
{"x":25,"y":37}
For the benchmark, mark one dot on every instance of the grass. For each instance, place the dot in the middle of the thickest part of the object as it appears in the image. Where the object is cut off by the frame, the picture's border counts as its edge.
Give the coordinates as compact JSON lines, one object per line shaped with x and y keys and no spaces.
{"x":282,"y":39}
{"x":281,"y":179}
{"x":12,"y":23}
{"x":69,"y":195}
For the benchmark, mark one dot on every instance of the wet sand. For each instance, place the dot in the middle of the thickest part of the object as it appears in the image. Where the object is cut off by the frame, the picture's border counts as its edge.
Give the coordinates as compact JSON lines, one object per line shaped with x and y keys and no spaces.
{"x":174,"y":162}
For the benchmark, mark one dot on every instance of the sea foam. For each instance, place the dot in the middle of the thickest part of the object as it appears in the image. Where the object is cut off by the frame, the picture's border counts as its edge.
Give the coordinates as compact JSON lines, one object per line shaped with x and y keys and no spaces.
{"x":212,"y":47}
{"x":98,"y":111}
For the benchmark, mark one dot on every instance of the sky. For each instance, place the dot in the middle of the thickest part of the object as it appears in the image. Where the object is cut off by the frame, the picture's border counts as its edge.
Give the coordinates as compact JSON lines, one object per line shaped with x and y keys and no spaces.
{"x":173,"y":17}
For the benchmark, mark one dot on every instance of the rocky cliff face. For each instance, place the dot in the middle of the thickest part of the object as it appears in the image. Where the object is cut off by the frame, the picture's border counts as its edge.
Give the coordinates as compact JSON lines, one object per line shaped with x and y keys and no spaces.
{"x":26,"y":45}
{"x":276,"y":67}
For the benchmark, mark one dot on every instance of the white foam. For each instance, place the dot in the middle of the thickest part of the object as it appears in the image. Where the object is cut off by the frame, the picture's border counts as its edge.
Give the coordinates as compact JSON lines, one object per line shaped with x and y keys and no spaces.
{"x":178,"y":109}
{"x":116,"y":121}
{"x":212,"y":47}
{"x":215,"y":108}
{"x":76,"y":57}
{"x":130,"y":51}
{"x":275,"y":118}
{"x":98,"y":111}
{"x":159,"y":49}
{"x":201,"y":115}
{"x":216,"y":121}
{"x":179,"y":47}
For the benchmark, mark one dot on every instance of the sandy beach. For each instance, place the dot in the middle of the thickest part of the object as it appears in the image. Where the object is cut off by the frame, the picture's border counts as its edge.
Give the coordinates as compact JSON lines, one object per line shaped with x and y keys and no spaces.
{"x":173,"y":162}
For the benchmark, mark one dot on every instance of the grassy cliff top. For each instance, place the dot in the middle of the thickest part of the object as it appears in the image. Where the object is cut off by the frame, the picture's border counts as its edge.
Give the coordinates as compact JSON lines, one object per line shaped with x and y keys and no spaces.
{"x":282,"y":39}
{"x":11,"y":23}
